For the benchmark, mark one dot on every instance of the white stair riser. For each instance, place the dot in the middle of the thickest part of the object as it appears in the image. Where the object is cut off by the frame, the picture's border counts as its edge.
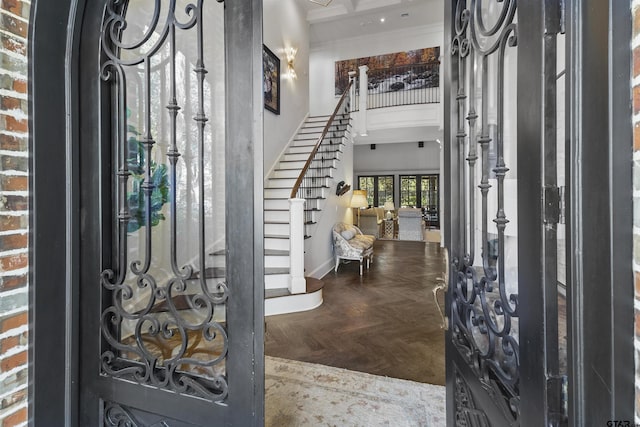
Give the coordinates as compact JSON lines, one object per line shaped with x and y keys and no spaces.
{"x":276,"y":216}
{"x":325,"y":119}
{"x":298,"y":165}
{"x":277,"y":229}
{"x":278,"y":244}
{"x":290,"y":182}
{"x":333,"y":154}
{"x":287,"y":173}
{"x":216,"y":261}
{"x":293,"y":173}
{"x":276,"y":261}
{"x":304,"y":149}
{"x":302,"y":146}
{"x":310,"y":134}
{"x":277,"y":193}
{"x":276,"y":281}
{"x":296,"y":156}
{"x":276,"y":204}
{"x":305,"y":140}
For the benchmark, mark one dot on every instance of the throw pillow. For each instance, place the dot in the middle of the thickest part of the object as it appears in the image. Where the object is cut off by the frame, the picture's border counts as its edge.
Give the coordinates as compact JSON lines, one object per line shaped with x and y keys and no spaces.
{"x":348,"y":234}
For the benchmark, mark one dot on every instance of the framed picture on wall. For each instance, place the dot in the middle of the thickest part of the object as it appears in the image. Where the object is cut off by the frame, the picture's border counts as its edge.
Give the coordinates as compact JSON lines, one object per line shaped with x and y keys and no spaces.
{"x":271,"y":80}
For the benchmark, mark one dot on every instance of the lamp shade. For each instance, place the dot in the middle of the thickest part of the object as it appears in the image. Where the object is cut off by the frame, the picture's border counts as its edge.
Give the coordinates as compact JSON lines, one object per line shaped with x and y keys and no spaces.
{"x":359,"y":199}
{"x":389,"y":206}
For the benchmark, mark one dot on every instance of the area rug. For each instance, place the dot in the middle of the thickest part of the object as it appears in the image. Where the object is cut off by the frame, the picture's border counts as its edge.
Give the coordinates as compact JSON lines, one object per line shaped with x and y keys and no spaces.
{"x":306,"y":394}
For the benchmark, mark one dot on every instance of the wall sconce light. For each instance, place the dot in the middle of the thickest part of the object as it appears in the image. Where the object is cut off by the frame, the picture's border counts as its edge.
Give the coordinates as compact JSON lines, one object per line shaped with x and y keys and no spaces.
{"x":291,"y":56}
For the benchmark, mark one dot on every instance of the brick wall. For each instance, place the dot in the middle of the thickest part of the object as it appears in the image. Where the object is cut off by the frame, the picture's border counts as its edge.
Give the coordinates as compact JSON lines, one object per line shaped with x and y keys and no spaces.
{"x":635,"y":44}
{"x":14,"y":18}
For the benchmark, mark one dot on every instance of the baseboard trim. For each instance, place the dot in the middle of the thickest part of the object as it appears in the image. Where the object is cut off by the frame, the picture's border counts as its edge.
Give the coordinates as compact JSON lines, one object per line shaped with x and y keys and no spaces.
{"x":324,"y":269}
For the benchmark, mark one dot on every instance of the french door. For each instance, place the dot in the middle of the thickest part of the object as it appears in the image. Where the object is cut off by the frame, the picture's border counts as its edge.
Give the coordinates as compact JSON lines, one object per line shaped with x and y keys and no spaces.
{"x":164,"y":297}
{"x":503,"y":209}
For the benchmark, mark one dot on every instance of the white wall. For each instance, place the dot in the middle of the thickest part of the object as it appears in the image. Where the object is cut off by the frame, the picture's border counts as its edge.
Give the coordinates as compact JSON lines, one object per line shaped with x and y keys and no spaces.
{"x":405,"y":157}
{"x":285,"y":26}
{"x":323,"y":57}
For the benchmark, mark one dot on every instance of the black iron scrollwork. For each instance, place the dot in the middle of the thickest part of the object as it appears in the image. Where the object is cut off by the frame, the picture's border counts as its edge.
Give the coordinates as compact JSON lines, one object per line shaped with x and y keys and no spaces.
{"x":467,"y":414}
{"x":117,"y":416}
{"x":483,"y":313}
{"x":179,"y":328}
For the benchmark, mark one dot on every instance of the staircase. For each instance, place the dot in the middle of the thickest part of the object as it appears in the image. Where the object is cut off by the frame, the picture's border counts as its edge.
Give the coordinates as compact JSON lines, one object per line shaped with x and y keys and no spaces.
{"x":277,"y":195}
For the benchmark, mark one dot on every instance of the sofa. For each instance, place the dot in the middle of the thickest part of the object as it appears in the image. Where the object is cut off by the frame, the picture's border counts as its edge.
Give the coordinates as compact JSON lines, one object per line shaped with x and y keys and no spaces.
{"x":349,"y":243}
{"x":371,"y":222}
{"x":410,"y":224}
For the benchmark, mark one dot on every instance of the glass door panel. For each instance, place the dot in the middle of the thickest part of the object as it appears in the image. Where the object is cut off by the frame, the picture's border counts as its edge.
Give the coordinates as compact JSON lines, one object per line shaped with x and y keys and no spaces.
{"x":166,"y":316}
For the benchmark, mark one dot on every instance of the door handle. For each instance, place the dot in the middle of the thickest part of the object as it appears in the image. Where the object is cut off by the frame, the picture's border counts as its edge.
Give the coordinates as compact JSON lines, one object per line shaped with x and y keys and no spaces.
{"x":442,"y":285}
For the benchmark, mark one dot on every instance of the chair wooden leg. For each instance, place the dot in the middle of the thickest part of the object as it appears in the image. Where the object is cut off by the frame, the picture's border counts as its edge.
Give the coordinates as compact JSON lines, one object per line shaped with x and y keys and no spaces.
{"x":335,"y":270}
{"x":361,"y":266}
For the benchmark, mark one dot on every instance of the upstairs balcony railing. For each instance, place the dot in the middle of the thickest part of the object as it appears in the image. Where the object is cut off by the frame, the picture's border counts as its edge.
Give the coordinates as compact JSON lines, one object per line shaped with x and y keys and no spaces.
{"x":400,"y":85}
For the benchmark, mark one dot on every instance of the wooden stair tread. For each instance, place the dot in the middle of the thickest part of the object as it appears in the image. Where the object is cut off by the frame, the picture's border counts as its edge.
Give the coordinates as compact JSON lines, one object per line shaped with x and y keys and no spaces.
{"x":276,"y":252}
{"x":317,"y":160}
{"x":276,"y":293}
{"x":276,"y":270}
{"x":337,"y":144}
{"x":220,"y":272}
{"x":315,"y":168}
{"x":313,"y":285}
{"x":276,"y":236}
{"x":267,"y":252}
{"x":320,"y":177}
{"x":289,"y":187}
{"x":210,"y":273}
{"x":286,"y":198}
{"x":181,"y":302}
{"x":316,"y":138}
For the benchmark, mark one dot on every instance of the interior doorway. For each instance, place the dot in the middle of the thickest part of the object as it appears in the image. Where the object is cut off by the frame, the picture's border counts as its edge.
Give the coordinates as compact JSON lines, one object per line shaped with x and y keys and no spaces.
{"x":315,"y":69}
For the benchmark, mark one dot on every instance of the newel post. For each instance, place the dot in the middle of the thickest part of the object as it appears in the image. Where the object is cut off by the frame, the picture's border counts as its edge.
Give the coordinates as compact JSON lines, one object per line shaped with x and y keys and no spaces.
{"x":297,"y":282}
{"x":352,"y":91}
{"x":364,"y":89}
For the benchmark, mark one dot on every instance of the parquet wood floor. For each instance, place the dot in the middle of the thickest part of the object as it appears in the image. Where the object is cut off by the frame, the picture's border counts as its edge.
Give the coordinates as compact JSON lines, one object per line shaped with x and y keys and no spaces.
{"x":384,"y":322}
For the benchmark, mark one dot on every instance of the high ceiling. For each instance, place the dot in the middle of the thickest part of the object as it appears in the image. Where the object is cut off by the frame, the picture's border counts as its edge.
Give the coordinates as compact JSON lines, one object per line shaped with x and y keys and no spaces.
{"x":351,"y":18}
{"x":343,"y":19}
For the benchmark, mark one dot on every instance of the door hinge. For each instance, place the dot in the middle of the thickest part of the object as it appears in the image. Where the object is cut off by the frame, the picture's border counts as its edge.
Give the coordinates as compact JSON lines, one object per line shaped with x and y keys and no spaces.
{"x":553,"y":200}
{"x":554,"y":204}
{"x":557,"y":399}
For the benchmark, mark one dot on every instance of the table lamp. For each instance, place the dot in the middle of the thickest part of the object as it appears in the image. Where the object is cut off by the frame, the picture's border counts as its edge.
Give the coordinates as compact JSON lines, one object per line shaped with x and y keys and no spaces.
{"x":389,"y":207}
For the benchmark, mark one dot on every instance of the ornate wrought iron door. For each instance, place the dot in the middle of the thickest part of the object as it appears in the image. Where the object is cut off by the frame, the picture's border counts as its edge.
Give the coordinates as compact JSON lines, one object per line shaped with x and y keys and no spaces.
{"x":503,"y":208}
{"x":171,"y":274}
